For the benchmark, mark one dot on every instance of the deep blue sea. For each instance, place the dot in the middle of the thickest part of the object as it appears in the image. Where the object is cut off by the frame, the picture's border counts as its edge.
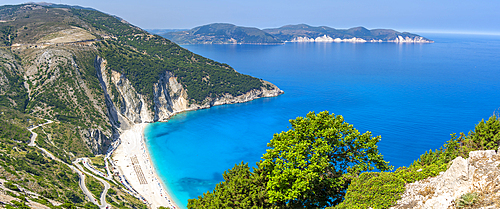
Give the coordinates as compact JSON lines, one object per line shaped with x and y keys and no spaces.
{"x":413,"y":95}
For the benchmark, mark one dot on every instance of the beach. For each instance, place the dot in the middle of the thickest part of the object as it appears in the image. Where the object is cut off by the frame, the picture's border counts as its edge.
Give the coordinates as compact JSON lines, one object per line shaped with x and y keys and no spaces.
{"x":136,"y":169}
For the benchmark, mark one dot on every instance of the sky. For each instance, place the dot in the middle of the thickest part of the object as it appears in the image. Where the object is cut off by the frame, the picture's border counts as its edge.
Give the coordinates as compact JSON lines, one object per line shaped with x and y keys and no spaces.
{"x":448,"y":16}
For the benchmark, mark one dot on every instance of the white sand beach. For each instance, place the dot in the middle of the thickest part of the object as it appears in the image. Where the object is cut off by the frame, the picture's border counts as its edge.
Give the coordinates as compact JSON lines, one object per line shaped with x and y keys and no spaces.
{"x":133,"y":161}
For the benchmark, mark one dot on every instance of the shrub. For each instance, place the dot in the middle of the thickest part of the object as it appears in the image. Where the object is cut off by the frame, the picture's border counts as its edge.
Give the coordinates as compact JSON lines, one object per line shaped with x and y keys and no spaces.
{"x":373,"y":189}
{"x":467,"y":200}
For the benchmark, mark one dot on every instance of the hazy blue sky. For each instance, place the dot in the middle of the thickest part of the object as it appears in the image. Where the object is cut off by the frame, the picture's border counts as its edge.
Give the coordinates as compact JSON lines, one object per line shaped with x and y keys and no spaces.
{"x":481,"y":16}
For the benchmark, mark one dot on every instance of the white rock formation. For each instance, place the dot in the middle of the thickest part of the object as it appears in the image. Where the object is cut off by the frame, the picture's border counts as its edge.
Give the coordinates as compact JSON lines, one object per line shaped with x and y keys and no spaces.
{"x":417,"y":39}
{"x":170,"y":98}
{"x":325,"y":38}
{"x":480,"y":173}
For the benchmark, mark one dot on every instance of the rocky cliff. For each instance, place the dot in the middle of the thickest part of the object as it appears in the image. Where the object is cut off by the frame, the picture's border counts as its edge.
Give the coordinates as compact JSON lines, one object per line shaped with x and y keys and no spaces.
{"x":468,"y":183}
{"x":326,"y":38}
{"x":127,"y":107}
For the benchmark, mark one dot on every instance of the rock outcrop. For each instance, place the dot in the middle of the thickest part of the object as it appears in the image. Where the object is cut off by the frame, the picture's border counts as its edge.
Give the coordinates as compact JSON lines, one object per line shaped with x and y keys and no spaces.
{"x":478,"y":174}
{"x":127,"y":107}
{"x":398,"y":39}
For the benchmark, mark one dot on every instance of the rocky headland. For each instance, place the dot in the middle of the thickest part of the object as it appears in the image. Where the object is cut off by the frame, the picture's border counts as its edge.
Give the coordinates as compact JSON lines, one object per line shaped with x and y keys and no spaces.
{"x":219,"y":33}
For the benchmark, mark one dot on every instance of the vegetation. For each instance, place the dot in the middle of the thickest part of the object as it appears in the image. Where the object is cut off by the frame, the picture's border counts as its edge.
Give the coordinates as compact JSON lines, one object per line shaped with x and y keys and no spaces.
{"x":222,"y":33}
{"x":375,"y":190}
{"x":13,"y":94}
{"x":467,"y":200}
{"x":59,"y":139}
{"x":486,"y":136}
{"x":7,"y":35}
{"x":321,"y":161}
{"x":94,"y":186}
{"x":28,"y":168}
{"x":145,"y":58}
{"x":310,"y":165}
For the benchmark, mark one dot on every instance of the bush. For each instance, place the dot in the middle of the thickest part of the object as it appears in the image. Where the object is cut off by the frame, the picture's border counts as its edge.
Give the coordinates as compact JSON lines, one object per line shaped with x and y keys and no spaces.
{"x":11,"y":186}
{"x":367,"y":189}
{"x":467,"y":200}
{"x":376,"y":190}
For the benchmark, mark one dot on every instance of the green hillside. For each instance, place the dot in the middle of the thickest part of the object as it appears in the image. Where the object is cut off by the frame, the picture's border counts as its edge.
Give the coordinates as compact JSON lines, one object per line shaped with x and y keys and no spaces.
{"x":222,"y":33}
{"x":48,"y":72}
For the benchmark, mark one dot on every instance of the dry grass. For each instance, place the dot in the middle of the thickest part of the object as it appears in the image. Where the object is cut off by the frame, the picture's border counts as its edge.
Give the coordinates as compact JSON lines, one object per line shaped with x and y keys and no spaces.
{"x":427,"y":191}
{"x":69,"y":35}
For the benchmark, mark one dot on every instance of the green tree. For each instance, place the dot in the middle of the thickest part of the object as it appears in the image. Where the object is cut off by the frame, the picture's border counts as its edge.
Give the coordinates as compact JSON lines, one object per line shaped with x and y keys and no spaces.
{"x":486,"y":135}
{"x":241,"y":188}
{"x":310,"y":165}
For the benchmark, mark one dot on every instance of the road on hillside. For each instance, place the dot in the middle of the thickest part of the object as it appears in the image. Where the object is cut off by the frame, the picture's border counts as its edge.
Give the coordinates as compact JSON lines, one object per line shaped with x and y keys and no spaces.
{"x":83,"y":187}
{"x":79,"y":170}
{"x":34,"y":135}
{"x":106,"y":184}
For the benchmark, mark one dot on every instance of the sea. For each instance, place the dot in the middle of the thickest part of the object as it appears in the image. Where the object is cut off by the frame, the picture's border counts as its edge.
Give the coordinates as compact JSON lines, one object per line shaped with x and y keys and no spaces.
{"x":413,"y":95}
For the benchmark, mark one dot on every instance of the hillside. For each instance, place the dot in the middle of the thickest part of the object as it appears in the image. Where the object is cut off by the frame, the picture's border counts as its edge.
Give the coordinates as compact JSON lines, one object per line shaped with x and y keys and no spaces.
{"x":306,"y":33}
{"x":87,"y":77}
{"x":221,"y":33}
{"x":230,"y":34}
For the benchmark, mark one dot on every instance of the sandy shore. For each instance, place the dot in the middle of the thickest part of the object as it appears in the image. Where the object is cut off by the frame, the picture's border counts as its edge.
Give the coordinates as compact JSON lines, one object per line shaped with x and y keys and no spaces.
{"x":133,"y":161}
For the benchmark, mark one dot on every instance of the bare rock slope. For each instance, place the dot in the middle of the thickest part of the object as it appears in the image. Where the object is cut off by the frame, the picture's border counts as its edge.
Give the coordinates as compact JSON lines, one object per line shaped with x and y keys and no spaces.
{"x":468,"y":183}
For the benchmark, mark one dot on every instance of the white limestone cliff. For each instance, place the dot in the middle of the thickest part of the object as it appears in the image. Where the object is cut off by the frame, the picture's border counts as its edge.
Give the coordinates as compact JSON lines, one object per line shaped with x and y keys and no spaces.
{"x":406,"y":39}
{"x":169,"y":98}
{"x":325,"y":38}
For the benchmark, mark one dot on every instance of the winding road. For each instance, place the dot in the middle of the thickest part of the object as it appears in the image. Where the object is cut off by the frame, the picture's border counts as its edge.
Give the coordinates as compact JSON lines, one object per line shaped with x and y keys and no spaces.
{"x":34,"y":135}
{"x":106,"y":184}
{"x":78,"y":169}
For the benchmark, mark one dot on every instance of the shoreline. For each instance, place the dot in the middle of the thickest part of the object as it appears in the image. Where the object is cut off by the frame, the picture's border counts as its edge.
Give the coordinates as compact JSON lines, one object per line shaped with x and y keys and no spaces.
{"x":133,"y":161}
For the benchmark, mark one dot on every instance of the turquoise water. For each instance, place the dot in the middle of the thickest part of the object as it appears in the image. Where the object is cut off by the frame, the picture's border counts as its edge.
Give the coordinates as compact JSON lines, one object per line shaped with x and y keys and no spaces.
{"x":413,"y":95}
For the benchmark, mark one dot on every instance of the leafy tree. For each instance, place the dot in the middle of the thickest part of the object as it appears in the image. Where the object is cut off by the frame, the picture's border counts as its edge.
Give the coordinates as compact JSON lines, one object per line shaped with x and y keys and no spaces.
{"x":241,"y":188}
{"x":310,"y":164}
{"x":486,"y":135}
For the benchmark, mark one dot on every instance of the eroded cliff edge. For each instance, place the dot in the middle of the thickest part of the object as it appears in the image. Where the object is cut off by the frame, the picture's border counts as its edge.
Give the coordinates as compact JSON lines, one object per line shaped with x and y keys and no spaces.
{"x":476,"y":176}
{"x":127,"y":107}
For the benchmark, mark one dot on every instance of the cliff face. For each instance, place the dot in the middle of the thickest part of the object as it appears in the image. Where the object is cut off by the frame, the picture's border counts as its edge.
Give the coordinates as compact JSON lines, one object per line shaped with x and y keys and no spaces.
{"x":398,"y":39}
{"x":127,"y":107}
{"x":476,"y":176}
{"x":51,"y":67}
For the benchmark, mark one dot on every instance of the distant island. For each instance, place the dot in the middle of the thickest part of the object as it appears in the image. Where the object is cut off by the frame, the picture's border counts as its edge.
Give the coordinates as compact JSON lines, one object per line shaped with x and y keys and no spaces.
{"x":223,"y":33}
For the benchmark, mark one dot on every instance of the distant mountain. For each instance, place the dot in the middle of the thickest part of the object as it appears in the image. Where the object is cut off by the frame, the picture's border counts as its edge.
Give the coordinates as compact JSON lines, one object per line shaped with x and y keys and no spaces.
{"x":230,"y":34}
{"x":306,"y":33}
{"x":222,"y":33}
{"x":162,"y":31}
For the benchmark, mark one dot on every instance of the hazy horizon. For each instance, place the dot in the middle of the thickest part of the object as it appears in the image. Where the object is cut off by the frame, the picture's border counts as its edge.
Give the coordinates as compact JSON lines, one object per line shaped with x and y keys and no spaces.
{"x":426,"y":16}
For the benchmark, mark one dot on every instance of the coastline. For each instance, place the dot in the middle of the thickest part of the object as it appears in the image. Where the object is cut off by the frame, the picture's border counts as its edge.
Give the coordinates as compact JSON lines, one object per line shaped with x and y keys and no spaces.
{"x":133,"y":161}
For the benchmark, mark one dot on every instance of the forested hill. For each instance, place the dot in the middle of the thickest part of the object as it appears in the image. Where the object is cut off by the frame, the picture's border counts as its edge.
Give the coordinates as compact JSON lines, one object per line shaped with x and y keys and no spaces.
{"x":294,"y":32}
{"x":219,"y":33}
{"x":222,"y":33}
{"x":87,"y":76}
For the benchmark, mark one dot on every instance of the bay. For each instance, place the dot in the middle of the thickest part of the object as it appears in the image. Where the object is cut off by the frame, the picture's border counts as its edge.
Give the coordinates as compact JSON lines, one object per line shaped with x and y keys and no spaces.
{"x":413,"y":95}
